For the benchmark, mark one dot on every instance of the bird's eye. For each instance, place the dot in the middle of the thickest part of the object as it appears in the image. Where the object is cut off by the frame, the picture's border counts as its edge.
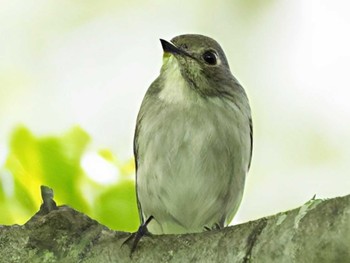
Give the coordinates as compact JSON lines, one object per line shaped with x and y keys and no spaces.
{"x":210,"y":57}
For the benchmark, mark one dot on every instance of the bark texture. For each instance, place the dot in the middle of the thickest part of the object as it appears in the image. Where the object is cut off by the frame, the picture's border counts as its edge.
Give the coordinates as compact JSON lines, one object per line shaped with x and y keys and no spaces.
{"x":318,"y":231}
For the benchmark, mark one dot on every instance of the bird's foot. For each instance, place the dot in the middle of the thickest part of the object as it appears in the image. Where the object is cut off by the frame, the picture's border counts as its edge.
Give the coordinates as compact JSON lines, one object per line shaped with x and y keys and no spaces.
{"x":136,"y":237}
{"x":216,"y":226}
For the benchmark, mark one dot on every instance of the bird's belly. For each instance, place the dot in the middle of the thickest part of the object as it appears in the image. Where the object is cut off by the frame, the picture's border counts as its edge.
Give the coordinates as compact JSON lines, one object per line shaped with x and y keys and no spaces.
{"x":191,"y":173}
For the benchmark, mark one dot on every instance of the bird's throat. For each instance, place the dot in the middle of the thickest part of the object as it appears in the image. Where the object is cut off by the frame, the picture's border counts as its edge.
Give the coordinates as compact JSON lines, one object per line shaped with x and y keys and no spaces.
{"x":175,"y":88}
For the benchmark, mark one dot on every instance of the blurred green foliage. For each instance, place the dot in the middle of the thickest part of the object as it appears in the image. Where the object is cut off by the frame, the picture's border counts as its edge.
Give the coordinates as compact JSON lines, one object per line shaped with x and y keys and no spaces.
{"x":55,"y":161}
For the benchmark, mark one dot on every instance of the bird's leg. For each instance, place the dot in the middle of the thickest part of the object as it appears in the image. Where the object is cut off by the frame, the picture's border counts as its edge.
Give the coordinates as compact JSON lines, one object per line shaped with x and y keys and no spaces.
{"x":136,"y":237}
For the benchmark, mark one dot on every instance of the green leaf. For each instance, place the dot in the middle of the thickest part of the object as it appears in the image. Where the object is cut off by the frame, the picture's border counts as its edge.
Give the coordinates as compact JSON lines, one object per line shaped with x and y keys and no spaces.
{"x":117,"y":207}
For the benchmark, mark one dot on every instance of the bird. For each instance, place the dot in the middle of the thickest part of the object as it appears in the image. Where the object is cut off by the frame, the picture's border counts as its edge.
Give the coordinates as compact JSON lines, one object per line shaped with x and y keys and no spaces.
{"x":193,"y":141}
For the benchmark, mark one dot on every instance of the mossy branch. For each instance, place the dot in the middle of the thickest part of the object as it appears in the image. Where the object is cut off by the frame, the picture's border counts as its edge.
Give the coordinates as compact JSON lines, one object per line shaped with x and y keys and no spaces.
{"x":318,"y":231}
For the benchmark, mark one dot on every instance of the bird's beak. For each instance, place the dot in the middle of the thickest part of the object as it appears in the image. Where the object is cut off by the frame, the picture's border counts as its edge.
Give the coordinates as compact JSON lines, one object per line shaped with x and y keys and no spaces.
{"x":171,"y":49}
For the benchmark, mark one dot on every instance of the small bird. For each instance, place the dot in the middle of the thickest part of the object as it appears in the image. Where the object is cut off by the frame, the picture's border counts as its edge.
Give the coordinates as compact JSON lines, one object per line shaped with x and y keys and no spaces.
{"x":193,"y":141}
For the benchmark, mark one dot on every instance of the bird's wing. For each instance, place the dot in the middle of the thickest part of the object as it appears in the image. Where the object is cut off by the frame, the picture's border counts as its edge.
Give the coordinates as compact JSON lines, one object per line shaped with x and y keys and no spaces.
{"x":251,"y":141}
{"x":137,"y":130}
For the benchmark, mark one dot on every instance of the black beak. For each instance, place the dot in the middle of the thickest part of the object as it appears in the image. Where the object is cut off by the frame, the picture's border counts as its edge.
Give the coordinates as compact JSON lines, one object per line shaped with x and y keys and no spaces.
{"x":170,"y":48}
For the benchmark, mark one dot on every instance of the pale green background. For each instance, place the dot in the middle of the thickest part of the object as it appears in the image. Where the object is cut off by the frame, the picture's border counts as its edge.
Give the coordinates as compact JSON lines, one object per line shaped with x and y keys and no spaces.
{"x":89,"y":63}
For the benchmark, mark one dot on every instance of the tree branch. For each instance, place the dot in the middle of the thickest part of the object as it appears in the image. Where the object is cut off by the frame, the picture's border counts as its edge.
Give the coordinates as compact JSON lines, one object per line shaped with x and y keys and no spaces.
{"x":318,"y":231}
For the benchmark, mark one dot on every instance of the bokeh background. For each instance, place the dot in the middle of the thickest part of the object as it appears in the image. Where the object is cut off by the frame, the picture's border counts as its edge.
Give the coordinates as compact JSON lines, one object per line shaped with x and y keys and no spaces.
{"x":73,"y":74}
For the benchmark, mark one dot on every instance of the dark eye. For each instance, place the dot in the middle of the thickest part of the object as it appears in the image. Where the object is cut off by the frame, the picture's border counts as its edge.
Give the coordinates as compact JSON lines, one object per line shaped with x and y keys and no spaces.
{"x":210,"y":57}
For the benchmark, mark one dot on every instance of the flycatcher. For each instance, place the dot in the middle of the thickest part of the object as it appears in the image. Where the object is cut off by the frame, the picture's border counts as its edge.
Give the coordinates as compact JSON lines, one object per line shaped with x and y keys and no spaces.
{"x":193,"y":141}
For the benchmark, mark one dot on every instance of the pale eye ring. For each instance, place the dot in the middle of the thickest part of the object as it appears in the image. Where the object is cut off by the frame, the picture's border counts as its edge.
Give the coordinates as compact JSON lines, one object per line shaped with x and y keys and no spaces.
{"x":210,"y":57}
